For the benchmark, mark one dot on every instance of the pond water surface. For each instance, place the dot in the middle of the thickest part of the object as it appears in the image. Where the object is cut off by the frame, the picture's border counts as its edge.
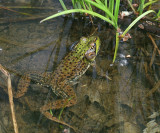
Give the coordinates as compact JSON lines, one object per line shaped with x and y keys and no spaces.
{"x":121,"y":102}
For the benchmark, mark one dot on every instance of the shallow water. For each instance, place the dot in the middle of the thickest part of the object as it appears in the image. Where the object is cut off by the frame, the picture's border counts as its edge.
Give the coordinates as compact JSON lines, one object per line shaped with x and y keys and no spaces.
{"x":118,"y":104}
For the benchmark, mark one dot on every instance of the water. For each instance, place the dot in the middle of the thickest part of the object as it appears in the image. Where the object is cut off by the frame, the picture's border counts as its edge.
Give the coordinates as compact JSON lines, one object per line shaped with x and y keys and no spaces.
{"x":118,"y":104}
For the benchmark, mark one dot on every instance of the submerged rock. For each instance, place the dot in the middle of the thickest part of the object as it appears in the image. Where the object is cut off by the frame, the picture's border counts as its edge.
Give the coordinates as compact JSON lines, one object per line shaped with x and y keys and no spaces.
{"x":130,"y":128}
{"x":152,"y":127}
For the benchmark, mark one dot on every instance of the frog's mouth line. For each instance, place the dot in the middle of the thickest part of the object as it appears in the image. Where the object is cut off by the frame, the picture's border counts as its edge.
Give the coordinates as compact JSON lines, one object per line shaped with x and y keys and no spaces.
{"x":91,"y":50}
{"x":91,"y":53}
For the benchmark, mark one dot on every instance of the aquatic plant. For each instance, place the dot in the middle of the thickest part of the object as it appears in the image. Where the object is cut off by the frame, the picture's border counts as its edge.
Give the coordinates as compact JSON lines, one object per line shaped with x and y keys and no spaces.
{"x":158,"y":16}
{"x":142,"y":5}
{"x":63,"y":5}
{"x":81,"y":4}
{"x":111,"y":17}
{"x":111,"y":10}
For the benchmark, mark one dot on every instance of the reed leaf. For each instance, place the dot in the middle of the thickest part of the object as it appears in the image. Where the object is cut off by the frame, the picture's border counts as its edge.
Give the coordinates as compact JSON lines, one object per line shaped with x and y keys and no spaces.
{"x":149,"y":3}
{"x":63,"y":5}
{"x":116,"y":11}
{"x":136,"y":20}
{"x":140,"y":9}
{"x":103,"y":8}
{"x":83,"y":4}
{"x":105,"y":2}
{"x":99,"y":2}
{"x":81,"y":11}
{"x":111,"y":6}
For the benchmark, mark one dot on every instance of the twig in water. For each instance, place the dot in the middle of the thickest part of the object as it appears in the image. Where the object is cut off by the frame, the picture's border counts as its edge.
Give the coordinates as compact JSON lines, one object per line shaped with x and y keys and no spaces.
{"x":10,"y":42}
{"x":21,"y":19}
{"x":6,"y":73}
{"x":132,"y":7}
{"x":154,"y":43}
{"x":15,"y":11}
{"x":156,"y":87}
{"x":153,"y":57}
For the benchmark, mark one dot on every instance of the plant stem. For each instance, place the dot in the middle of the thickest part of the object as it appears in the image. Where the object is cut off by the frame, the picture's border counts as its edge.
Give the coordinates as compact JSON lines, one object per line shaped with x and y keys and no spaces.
{"x":63,"y":5}
{"x":130,"y":4}
{"x":116,"y":48}
{"x":136,"y":20}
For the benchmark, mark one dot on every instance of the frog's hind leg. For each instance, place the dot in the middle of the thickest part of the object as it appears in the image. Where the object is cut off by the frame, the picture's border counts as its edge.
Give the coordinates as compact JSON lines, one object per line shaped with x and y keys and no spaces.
{"x":61,"y":103}
{"x":36,"y":77}
{"x":22,"y":87}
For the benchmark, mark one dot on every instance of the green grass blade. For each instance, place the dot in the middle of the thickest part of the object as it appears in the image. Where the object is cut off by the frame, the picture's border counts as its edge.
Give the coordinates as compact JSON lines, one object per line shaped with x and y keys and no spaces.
{"x":90,"y":7}
{"x":63,"y":5}
{"x":116,"y":11}
{"x":60,"y":114}
{"x":87,"y":6}
{"x":81,"y":11}
{"x":73,"y":3}
{"x":158,"y":14}
{"x":79,"y":5}
{"x":102,"y":4}
{"x":50,"y":111}
{"x":106,"y":4}
{"x":149,"y":3}
{"x":103,"y":8}
{"x":83,"y":4}
{"x":140,"y":9}
{"x":99,"y":2}
{"x":129,"y":27}
{"x":136,"y":20}
{"x":111,"y":6}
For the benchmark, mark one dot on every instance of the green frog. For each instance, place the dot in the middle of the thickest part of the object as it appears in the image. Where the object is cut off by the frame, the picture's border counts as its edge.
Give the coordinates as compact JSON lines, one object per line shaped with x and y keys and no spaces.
{"x":73,"y":66}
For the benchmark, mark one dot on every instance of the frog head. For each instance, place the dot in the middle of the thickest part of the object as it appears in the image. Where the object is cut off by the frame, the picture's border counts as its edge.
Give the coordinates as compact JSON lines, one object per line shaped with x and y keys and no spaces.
{"x":88,"y":48}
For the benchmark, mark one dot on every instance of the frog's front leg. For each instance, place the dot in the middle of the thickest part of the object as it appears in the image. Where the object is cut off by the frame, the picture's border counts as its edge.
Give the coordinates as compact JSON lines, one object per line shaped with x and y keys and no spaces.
{"x":61,"y":103}
{"x":99,"y":71}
